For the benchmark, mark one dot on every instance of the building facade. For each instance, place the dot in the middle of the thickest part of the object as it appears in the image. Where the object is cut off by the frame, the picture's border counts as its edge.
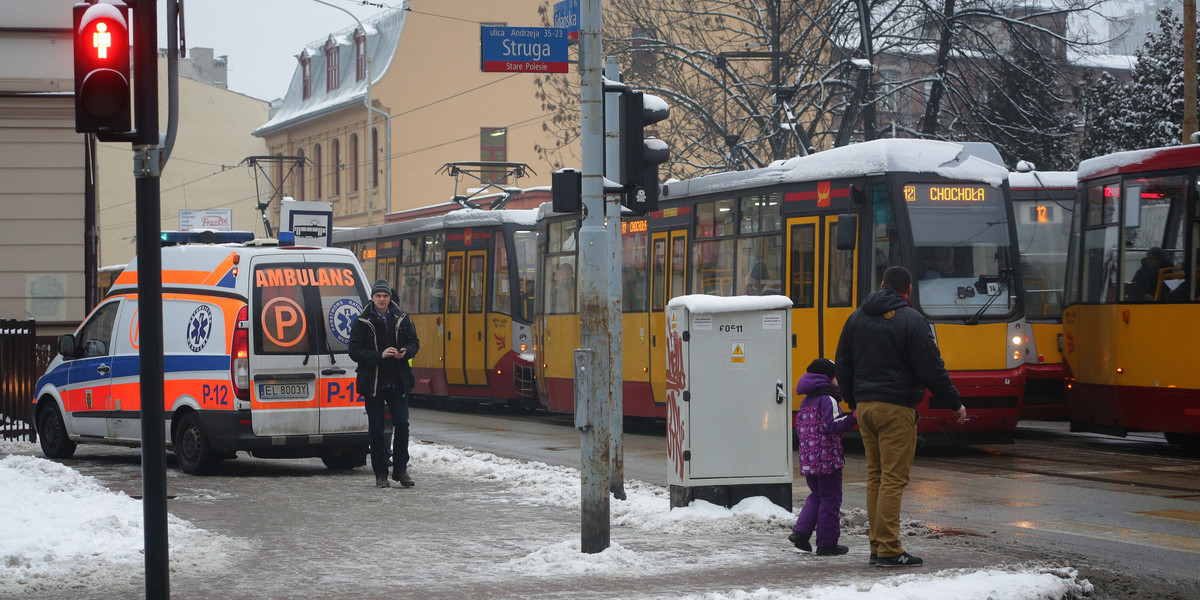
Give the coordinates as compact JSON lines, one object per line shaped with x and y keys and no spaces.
{"x":430,"y":105}
{"x":207,"y":170}
{"x":48,"y":244}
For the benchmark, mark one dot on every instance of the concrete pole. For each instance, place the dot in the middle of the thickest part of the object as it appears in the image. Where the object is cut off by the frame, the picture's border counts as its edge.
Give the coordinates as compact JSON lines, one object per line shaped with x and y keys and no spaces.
{"x":612,"y":215}
{"x":594,"y":360}
{"x":1189,"y":70}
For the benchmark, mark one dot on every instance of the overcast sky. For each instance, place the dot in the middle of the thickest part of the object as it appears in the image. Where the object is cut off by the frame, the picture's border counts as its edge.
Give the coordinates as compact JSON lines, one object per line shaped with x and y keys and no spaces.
{"x":263,"y":37}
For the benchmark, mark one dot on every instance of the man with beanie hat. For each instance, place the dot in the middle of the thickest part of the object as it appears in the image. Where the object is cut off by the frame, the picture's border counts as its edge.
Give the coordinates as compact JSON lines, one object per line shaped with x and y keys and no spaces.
{"x":886,"y":358}
{"x":382,"y":341}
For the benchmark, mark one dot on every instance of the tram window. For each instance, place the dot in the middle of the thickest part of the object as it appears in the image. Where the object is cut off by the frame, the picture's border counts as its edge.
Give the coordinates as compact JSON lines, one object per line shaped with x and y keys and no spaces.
{"x":434,"y":247}
{"x":887,"y":237}
{"x":803,"y":265}
{"x":1100,"y":271}
{"x":454,"y":283}
{"x":1153,"y":227}
{"x":712,"y":267}
{"x":760,"y":213}
{"x":633,"y":272}
{"x":476,"y":278}
{"x":410,"y":250}
{"x":501,"y":289}
{"x":1102,"y":204}
{"x":758,"y":264}
{"x":841,"y":272}
{"x":658,"y":273}
{"x":715,"y":219}
{"x":678,"y":266}
{"x":561,"y":297}
{"x":409,"y":288}
{"x":434,"y":284}
{"x":562,"y":236}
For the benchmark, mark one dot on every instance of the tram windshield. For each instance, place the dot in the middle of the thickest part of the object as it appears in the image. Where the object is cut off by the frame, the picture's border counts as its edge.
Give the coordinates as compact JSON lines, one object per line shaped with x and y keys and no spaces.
{"x":962,"y":249}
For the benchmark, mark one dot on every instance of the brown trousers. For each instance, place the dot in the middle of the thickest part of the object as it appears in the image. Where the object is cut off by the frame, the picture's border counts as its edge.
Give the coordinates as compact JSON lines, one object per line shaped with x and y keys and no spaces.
{"x":889,"y":436}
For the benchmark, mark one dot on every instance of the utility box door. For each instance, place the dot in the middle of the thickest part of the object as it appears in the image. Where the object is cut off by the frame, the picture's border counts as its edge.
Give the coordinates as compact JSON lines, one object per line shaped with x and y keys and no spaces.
{"x":736,"y":421}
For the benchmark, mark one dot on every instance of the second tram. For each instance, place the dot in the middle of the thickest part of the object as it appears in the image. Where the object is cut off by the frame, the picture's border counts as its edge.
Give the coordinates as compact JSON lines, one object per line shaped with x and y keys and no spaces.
{"x":466,"y":280}
{"x":938,"y":208}
{"x":1042,"y":205}
{"x":1131,"y":331}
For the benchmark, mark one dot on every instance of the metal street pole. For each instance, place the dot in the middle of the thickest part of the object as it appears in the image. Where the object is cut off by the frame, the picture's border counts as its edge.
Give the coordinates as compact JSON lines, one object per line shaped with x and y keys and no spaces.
{"x":596,"y":309}
{"x":146,"y":168}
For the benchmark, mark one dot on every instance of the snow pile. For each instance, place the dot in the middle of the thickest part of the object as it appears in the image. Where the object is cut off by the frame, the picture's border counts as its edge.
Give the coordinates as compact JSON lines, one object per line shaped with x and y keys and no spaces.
{"x":955,"y":584}
{"x":61,"y":530}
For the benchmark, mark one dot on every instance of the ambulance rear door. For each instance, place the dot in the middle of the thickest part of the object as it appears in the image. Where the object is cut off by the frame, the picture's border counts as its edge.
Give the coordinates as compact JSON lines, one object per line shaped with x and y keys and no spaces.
{"x":302,"y":379}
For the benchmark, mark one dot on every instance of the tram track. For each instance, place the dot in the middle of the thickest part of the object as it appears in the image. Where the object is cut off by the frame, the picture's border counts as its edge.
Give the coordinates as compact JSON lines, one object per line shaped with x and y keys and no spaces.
{"x":1142,"y":464}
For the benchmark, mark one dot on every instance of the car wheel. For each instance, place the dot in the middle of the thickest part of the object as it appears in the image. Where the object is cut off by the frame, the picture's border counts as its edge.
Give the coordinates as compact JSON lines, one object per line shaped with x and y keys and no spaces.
{"x":192,"y":450}
{"x":52,"y":431}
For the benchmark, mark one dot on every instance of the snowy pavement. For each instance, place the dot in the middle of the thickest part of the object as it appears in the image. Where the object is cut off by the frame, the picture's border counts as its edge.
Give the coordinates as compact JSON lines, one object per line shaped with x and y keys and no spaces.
{"x":476,"y":526}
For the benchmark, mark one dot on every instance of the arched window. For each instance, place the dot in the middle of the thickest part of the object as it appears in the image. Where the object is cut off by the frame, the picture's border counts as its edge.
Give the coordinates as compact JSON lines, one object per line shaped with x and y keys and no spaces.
{"x":332,"y":65}
{"x":298,"y":194}
{"x":335,"y":168}
{"x":354,"y":162}
{"x":374,"y":158}
{"x":305,"y":75}
{"x":360,"y":55}
{"x":318,"y":191}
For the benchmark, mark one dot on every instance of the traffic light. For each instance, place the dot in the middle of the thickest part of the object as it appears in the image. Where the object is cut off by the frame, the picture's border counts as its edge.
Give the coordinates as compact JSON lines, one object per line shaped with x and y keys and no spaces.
{"x":102,"y":90}
{"x":640,"y":155}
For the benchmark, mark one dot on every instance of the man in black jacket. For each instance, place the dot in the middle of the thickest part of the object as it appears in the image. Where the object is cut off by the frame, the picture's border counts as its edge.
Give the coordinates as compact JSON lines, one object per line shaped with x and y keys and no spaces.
{"x":886,"y":358}
{"x":382,"y":342}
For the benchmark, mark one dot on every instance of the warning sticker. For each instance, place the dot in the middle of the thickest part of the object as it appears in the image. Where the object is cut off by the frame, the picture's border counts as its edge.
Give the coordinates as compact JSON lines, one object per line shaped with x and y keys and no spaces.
{"x":738,"y":354}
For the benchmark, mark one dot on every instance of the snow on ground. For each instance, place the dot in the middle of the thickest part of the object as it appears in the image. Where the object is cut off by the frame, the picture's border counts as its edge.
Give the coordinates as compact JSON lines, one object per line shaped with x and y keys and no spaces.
{"x":61,"y":530}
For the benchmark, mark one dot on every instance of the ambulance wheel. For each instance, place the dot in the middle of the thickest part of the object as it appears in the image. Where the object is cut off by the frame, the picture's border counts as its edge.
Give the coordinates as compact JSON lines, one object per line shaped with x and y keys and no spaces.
{"x":344,"y":460}
{"x":192,"y":450}
{"x":53,"y":433}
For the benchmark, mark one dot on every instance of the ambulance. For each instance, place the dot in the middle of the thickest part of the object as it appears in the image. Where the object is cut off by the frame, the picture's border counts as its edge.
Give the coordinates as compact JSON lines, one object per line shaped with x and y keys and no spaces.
{"x":255,"y":338}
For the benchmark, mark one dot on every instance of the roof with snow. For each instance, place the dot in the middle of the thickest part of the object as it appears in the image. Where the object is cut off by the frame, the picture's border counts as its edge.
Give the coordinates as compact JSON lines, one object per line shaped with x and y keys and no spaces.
{"x":383,"y":35}
{"x":463,"y":217}
{"x":967,"y":162}
{"x":1042,"y":179}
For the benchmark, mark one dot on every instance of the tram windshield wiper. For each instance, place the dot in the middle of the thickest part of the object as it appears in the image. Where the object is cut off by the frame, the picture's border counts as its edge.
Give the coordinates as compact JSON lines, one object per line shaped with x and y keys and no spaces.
{"x":1004,"y":277}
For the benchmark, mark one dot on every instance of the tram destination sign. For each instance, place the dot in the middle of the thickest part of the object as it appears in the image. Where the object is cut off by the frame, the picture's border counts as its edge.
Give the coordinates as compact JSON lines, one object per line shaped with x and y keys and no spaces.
{"x":523,"y":49}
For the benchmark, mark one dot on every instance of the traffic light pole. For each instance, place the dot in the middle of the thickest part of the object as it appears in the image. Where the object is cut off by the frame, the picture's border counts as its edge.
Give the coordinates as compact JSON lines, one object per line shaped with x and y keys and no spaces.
{"x":146,"y":167}
{"x":597,"y":310}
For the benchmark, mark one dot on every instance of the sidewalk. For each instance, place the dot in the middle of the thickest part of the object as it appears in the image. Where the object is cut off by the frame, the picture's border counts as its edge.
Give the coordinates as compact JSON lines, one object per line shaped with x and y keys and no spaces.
{"x":480,"y":526}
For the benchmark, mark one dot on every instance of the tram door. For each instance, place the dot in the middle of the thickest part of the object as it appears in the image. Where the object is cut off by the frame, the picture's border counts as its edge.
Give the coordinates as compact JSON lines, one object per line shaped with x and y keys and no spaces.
{"x":455,"y":326}
{"x":475,"y":321}
{"x":821,"y":285}
{"x":668,"y":276}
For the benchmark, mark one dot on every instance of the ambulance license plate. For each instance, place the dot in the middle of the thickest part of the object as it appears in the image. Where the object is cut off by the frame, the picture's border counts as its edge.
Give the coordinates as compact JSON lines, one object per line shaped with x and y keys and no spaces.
{"x":277,"y":391}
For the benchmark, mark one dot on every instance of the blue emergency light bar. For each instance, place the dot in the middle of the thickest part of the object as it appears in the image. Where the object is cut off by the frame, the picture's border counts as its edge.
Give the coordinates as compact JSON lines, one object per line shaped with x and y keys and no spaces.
{"x":176,"y":238}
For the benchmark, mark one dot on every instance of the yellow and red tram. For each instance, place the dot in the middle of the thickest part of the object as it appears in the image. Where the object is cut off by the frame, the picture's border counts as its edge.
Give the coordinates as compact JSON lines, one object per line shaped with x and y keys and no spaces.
{"x":1130,"y":328}
{"x":466,"y":279}
{"x":923,"y":204}
{"x":1042,"y":206}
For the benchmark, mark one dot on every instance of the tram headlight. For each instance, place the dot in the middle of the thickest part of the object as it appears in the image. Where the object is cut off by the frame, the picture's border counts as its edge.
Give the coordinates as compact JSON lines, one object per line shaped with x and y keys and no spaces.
{"x":1016,"y":355}
{"x":1016,"y":340}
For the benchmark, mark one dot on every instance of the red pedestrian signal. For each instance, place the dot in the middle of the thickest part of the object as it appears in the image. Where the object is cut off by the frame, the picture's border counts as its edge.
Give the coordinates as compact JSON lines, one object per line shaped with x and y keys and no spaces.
{"x":102,"y":88}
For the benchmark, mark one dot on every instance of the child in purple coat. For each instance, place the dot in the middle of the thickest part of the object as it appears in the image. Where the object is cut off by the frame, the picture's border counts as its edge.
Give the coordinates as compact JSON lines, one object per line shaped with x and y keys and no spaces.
{"x":820,"y":423}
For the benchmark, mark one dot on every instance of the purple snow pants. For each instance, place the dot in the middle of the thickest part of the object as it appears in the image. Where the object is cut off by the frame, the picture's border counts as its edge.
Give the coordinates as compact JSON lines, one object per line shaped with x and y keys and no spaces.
{"x":822,"y":509}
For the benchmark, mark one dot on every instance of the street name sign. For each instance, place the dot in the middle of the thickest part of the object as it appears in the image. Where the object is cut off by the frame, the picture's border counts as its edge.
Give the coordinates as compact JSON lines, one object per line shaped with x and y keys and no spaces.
{"x":523,"y":49}
{"x":566,"y":16}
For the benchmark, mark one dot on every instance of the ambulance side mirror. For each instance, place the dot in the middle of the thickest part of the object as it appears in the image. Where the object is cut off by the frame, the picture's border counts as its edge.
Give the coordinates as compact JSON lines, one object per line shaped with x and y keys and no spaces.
{"x":66,"y":345}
